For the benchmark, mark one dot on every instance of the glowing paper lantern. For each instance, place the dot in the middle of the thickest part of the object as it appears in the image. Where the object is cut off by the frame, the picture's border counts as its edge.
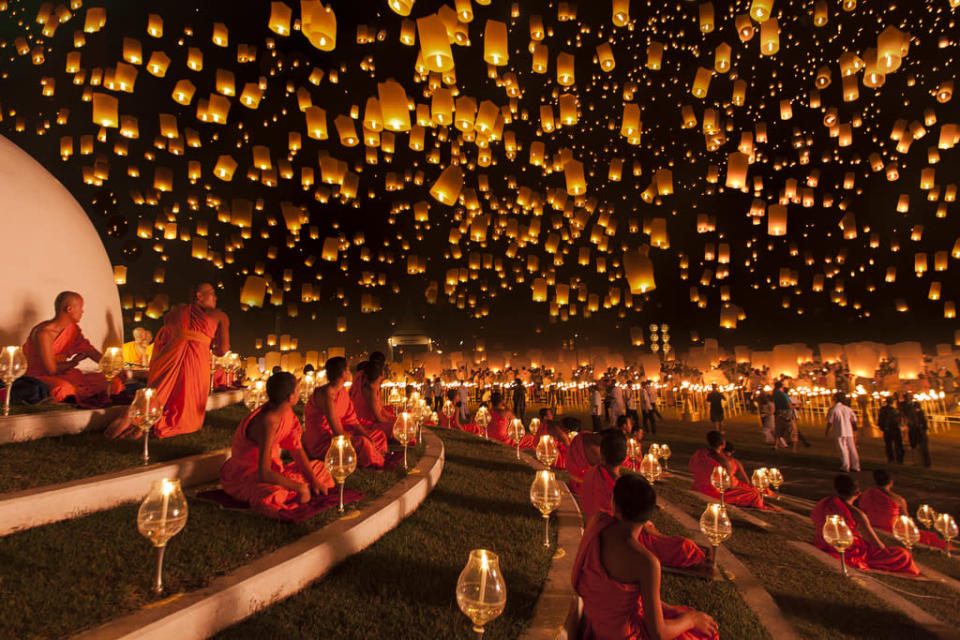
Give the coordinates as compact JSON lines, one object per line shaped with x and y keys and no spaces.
{"x":495,"y":49}
{"x":434,"y":45}
{"x":447,"y":188}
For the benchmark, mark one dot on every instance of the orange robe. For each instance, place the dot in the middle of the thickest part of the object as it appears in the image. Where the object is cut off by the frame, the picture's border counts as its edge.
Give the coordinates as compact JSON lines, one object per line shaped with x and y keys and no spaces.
{"x":84,"y":386}
{"x":319,"y":434}
{"x":180,"y":369}
{"x":530,"y":442}
{"x":860,"y":554}
{"x":613,"y":610}
{"x":577,"y":463}
{"x":239,"y":475}
{"x":739,"y":494}
{"x":498,"y":429}
{"x":883,"y":512}
{"x":672,"y":551}
{"x":365,"y":413}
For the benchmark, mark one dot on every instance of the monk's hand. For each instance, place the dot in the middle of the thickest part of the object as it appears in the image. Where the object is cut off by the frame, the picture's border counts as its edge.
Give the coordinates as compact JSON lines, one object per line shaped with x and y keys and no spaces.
{"x":703,"y":623}
{"x":319,"y":488}
{"x":304,"y":491}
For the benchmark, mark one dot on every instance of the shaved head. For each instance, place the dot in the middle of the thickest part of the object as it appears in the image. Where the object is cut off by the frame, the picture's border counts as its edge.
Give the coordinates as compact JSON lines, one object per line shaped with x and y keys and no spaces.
{"x":65,"y":299}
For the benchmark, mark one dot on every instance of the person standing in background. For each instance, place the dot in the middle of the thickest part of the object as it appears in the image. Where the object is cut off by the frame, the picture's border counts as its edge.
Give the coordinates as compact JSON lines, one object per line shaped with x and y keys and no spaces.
{"x":843,"y":421}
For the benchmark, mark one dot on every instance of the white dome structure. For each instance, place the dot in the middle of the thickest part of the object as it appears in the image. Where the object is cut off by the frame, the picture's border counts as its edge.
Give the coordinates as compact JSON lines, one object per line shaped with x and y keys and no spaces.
{"x":49,"y":246}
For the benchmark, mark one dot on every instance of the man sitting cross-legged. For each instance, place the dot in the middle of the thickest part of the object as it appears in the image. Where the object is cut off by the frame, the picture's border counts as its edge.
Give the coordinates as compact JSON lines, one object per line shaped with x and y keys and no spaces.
{"x":702,"y":464}
{"x":867,"y":550}
{"x":255,"y":472}
{"x":619,"y":579}
{"x":597,"y":494}
{"x":883,"y":506}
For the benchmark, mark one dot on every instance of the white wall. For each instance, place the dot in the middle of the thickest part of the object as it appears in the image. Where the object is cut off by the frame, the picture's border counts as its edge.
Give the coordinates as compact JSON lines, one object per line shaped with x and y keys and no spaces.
{"x":48,"y":245}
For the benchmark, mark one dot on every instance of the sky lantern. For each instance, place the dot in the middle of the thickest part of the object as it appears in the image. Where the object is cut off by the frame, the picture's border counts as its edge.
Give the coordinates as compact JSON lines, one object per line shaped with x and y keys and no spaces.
{"x":447,"y":188}
{"x":105,"y":108}
{"x":319,"y":24}
{"x":638,"y":269}
{"x":777,"y":220}
{"x":737,"y":165}
{"x":761,"y":10}
{"x":654,"y":56}
{"x":769,"y":37}
{"x":402,"y":7}
{"x":701,"y":82}
{"x":495,"y":47}
{"x":393,"y":106}
{"x":573,"y":173}
{"x":434,"y":46}
{"x":565,"y":69}
{"x":706,"y":17}
{"x":621,"y":13}
{"x":280,"y":15}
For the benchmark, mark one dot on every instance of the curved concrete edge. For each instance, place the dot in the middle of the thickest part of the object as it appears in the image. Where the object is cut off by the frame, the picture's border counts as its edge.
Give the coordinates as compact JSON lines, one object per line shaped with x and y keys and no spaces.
{"x":278,"y":575}
{"x":751,"y":590}
{"x":44,"y":505}
{"x":935,"y":626}
{"x":33,"y":426}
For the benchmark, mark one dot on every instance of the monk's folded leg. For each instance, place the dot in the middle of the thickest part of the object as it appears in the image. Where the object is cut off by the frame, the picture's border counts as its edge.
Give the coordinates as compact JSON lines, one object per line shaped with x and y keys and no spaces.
{"x":368,"y":455}
{"x":319,"y":470}
{"x":673,"y":551}
{"x":744,"y":497}
{"x":895,"y":559}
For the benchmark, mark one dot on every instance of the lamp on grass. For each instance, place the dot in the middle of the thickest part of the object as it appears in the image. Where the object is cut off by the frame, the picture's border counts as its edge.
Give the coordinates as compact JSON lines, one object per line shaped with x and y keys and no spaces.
{"x":905,"y":530}
{"x":254,"y":395}
{"x":720,"y":480}
{"x":946,"y":526}
{"x":650,"y":468}
{"x":448,"y":410}
{"x":715,"y":525}
{"x":926,"y":515}
{"x":481,"y":591}
{"x":517,"y":431}
{"x":482,"y":418}
{"x":776,"y":479}
{"x":547,"y":450}
{"x":111,"y":364}
{"x":634,"y":451}
{"x":760,"y":479}
{"x":839,"y":536}
{"x":665,"y":454}
{"x":545,"y":496}
{"x":404,"y":430}
{"x":13,"y":364}
{"x":162,"y":515}
{"x":341,"y":461}
{"x":534,"y":426}
{"x":145,"y":411}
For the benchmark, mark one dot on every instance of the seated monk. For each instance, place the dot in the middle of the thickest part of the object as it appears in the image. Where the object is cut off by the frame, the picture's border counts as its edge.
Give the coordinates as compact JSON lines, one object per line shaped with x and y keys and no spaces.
{"x":180,"y":366}
{"x":702,"y":463}
{"x":629,"y":430}
{"x":597,"y":494}
{"x":365,"y":396}
{"x":454,"y":422}
{"x":139,"y":351}
{"x":883,"y":507}
{"x":549,"y":427}
{"x":55,"y":348}
{"x":867,"y":550}
{"x":583,"y":453}
{"x":619,"y":579}
{"x":255,"y":473}
{"x":329,"y":412}
{"x":500,"y":417}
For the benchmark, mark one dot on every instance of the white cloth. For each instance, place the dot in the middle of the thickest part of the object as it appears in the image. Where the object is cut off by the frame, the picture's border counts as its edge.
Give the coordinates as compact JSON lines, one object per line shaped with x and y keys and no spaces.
{"x":842,"y":419}
{"x":596,"y":403}
{"x":616,"y":404}
{"x":849,"y":458}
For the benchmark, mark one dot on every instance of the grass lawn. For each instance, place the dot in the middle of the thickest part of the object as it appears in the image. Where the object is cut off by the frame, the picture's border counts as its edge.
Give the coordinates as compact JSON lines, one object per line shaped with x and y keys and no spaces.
{"x":403,"y":586}
{"x":61,"y":578}
{"x":37,"y":463}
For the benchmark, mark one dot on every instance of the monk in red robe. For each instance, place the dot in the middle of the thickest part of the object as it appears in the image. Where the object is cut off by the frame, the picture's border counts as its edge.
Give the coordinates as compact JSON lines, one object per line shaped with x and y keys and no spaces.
{"x":180,"y":367}
{"x":867,"y":550}
{"x":500,"y":417}
{"x":255,"y":472}
{"x":619,"y":579}
{"x":583,"y":453}
{"x":549,"y":427}
{"x":55,"y":348}
{"x":702,"y":463}
{"x":883,"y":507}
{"x":329,"y":413}
{"x":365,"y":396}
{"x":597,"y":495}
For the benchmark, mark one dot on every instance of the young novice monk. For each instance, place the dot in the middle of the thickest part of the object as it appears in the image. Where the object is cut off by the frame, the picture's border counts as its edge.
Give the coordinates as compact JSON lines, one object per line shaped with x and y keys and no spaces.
{"x":702,"y":464}
{"x":255,"y":473}
{"x":883,"y":506}
{"x":583,"y":453}
{"x":597,"y":495}
{"x":867,"y":551}
{"x":619,"y":579}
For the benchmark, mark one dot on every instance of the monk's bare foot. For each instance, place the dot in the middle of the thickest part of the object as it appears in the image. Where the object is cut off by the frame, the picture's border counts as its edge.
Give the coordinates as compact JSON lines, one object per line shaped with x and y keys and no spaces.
{"x":119,"y":427}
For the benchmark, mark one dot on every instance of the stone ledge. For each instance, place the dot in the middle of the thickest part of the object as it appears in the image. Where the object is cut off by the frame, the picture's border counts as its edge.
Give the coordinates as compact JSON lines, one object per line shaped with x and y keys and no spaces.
{"x":241,"y":593}
{"x":44,"y":505}
{"x":32,"y":426}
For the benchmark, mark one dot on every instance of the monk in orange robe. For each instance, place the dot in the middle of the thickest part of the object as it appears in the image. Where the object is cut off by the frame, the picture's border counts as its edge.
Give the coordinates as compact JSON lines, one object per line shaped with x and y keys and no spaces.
{"x":597,"y":495}
{"x":867,"y":550}
{"x":55,"y":348}
{"x":329,"y":413}
{"x":583,"y":453}
{"x":255,"y":472}
{"x":702,"y":463}
{"x":549,"y":427}
{"x":619,"y":579}
{"x":883,"y":507}
{"x":500,"y":417}
{"x":140,"y":350}
{"x":365,"y":396}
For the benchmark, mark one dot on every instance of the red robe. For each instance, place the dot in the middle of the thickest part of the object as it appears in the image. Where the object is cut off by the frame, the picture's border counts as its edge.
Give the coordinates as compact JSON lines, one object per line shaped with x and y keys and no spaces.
{"x":239,"y":474}
{"x":531,"y":441}
{"x":577,"y":463}
{"x":319,"y":433}
{"x":613,"y":610}
{"x":883,"y":512}
{"x":860,"y":554}
{"x":498,"y":429}
{"x":739,"y":494}
{"x":672,"y":551}
{"x":180,"y":369}
{"x":84,"y":386}
{"x":365,"y":413}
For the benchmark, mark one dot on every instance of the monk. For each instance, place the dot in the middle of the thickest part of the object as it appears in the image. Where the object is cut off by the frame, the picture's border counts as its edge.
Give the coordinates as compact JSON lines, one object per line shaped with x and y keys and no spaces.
{"x":500,"y":417}
{"x":702,"y":463}
{"x":55,"y":348}
{"x":549,"y":427}
{"x":180,"y":366}
{"x":139,"y":351}
{"x":867,"y":550}
{"x":365,"y":396}
{"x":883,"y":507}
{"x":255,"y":472}
{"x":619,"y":579}
{"x":597,"y":494}
{"x":583,"y":453}
{"x":329,"y":413}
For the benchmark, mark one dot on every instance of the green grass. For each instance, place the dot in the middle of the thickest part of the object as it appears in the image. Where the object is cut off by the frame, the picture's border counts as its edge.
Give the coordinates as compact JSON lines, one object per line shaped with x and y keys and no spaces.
{"x":814,"y":597}
{"x":25,"y":465}
{"x":61,"y":578}
{"x":403,"y":586}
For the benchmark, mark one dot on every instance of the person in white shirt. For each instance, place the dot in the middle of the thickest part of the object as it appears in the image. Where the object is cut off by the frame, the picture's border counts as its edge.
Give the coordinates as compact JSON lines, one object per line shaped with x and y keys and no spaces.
{"x":843,"y":421}
{"x":596,"y":407}
{"x":617,"y":407}
{"x":464,"y":396}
